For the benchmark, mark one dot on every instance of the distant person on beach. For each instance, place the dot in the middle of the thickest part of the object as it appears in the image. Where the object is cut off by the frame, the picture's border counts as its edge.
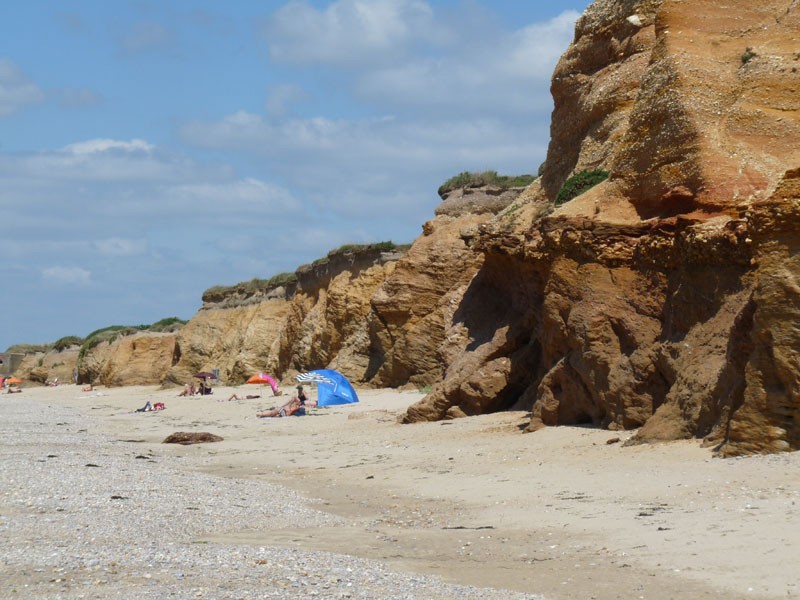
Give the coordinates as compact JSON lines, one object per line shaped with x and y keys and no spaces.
{"x":88,"y":388}
{"x":293,"y":407}
{"x":235,"y":396}
{"x":14,"y":390}
{"x":151,"y":407}
{"x":188,"y":390}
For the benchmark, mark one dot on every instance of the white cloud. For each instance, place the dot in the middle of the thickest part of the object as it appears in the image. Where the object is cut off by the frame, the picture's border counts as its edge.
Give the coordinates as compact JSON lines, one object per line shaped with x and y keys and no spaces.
{"x":385,"y":168}
{"x":104,"y":145}
{"x":534,"y":50}
{"x":245,"y":198}
{"x":281,"y":98}
{"x":116,"y":246}
{"x":348,"y":32}
{"x":362,"y":149}
{"x":105,"y":185}
{"x":101,"y":160}
{"x":66,"y":275}
{"x":16,"y":91}
{"x":480,"y":101}
{"x":144,"y":37}
{"x":503,"y":72}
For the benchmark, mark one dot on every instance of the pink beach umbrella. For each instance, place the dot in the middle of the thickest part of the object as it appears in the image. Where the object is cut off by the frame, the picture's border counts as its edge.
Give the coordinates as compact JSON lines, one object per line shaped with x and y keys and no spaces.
{"x":264,"y":378}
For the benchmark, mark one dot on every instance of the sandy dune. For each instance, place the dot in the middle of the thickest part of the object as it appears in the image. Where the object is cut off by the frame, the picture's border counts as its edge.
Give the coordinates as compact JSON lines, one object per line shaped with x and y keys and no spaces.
{"x":566,"y":512}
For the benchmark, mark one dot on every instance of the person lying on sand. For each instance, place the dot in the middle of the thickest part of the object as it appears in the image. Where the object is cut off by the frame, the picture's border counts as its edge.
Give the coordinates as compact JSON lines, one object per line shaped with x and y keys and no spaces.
{"x":13,"y":390}
{"x":293,"y":407}
{"x":151,"y":407}
{"x":88,"y":388}
{"x":235,"y":396}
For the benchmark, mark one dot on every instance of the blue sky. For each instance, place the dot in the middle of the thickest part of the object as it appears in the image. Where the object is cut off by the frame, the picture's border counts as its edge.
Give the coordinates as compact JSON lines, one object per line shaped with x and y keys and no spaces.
{"x":150,"y":150}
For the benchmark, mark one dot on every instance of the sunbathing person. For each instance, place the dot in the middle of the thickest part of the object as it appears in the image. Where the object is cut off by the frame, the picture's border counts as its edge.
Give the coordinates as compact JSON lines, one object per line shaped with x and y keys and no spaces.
{"x":235,"y":396}
{"x":188,"y":390}
{"x":287,"y":410}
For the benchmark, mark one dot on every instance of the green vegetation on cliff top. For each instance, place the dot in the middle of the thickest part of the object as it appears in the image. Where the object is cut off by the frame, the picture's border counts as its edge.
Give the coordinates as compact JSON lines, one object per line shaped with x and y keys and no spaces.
{"x":96,"y":337}
{"x":475,"y":179}
{"x":248,"y":288}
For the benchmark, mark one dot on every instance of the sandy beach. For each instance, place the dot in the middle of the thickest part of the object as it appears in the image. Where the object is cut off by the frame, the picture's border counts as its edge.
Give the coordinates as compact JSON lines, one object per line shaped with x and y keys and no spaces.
{"x":565,"y":513}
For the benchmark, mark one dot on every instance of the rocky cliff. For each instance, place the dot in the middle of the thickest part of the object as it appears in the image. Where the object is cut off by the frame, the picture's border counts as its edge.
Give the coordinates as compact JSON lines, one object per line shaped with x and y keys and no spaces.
{"x":378,"y":317}
{"x":663,"y":299}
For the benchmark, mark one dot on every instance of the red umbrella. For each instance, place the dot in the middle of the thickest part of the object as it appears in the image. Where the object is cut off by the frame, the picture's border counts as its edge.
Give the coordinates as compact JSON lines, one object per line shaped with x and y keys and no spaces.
{"x":205,"y":375}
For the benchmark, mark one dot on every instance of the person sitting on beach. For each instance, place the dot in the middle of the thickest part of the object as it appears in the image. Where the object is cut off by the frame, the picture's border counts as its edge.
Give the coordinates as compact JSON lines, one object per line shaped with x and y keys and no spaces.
{"x":88,"y":388}
{"x":54,"y":383}
{"x":188,"y":390}
{"x":304,"y":401}
{"x":14,"y":390}
{"x":292,"y":407}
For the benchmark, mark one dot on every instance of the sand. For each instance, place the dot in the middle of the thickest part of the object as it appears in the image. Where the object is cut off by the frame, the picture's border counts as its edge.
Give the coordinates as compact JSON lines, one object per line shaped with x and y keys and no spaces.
{"x":566,"y":512}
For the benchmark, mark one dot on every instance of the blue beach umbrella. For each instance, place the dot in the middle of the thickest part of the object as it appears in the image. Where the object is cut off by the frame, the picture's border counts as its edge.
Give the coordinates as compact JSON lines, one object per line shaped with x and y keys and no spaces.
{"x":332,"y":387}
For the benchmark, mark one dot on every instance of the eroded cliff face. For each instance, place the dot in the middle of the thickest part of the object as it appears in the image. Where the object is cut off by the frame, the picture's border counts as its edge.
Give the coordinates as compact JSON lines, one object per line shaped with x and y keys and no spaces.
{"x":139,"y":359}
{"x":318,"y":319}
{"x":663,"y":299}
{"x":379,"y":318}
{"x":45,"y":367}
{"x":411,"y":310}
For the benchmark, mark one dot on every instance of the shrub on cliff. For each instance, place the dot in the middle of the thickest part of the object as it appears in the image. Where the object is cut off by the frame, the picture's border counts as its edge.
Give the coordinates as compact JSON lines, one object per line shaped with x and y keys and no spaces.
{"x":579,"y":183}
{"x":474,"y":179}
{"x":67,"y":342}
{"x":112,"y":333}
{"x":106,"y":334}
{"x":748,"y":55}
{"x":356,"y":249}
{"x":28,"y":348}
{"x":248,"y":288}
{"x":218,"y":293}
{"x":167,"y":325}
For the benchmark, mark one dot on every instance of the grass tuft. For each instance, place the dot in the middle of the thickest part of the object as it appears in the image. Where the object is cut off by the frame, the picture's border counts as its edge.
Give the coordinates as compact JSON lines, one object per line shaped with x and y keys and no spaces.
{"x":579,"y":183}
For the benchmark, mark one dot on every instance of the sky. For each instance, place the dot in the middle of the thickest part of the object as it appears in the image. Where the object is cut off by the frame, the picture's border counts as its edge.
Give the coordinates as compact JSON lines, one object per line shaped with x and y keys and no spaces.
{"x":151,"y":150}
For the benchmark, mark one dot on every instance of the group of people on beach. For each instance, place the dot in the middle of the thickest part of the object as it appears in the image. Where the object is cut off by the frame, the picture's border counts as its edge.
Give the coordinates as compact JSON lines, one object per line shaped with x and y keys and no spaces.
{"x":296,"y":406}
{"x":202,"y":389}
